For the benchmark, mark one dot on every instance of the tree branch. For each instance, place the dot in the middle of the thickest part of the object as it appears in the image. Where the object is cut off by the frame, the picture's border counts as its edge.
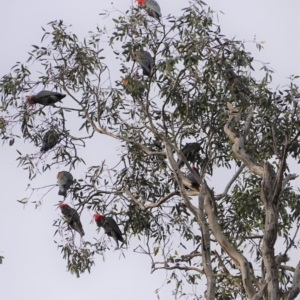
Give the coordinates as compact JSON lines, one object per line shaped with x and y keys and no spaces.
{"x":248,"y":121}
{"x":260,"y":293}
{"x":178,"y":178}
{"x":124,"y":139}
{"x":205,"y":247}
{"x":177,"y":267}
{"x":235,"y":176}
{"x":151,"y":205}
{"x":288,"y":178}
{"x":295,"y":290}
{"x":287,"y":268}
{"x":251,"y":237}
{"x":228,"y":274}
{"x":238,"y":144}
{"x":291,"y":243}
{"x":270,"y":230}
{"x":237,"y":257}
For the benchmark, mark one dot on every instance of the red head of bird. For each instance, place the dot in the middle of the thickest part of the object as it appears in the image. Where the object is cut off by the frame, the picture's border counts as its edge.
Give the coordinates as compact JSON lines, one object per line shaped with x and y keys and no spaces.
{"x":97,"y":217}
{"x":140,"y":2}
{"x":58,"y":174}
{"x":63,"y":205}
{"x":29,"y":100}
{"x":194,"y":168}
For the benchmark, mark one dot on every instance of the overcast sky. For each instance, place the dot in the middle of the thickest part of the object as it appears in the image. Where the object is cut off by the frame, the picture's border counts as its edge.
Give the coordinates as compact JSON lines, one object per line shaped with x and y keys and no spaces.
{"x":33,"y":267}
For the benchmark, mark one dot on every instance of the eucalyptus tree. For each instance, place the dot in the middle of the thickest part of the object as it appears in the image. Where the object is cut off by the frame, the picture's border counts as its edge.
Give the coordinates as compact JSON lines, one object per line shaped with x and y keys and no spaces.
{"x":199,"y":91}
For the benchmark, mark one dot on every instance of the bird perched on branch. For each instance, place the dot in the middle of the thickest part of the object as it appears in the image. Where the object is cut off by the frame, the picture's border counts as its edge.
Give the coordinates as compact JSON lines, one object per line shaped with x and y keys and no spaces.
{"x":151,"y":6}
{"x":64,"y":181}
{"x":192,"y":179}
{"x":237,"y":85}
{"x":50,"y":139}
{"x":190,"y":151}
{"x":110,"y":226}
{"x":45,"y":98}
{"x":144,"y":58}
{"x":72,"y":218}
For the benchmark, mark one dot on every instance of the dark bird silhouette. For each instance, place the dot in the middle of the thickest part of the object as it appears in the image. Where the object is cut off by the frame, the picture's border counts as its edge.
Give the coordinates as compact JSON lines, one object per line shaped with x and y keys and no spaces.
{"x":237,"y":85}
{"x":64,"y":181}
{"x":50,"y":139}
{"x":190,"y":151}
{"x":72,"y":218}
{"x":45,"y":98}
{"x":144,"y":58}
{"x":110,"y":226}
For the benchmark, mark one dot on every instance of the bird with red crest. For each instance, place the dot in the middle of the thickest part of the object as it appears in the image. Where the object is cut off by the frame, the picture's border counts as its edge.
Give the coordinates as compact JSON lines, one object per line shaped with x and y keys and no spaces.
{"x":110,"y":226}
{"x":151,"y":6}
{"x":45,"y":98}
{"x":72,"y":217}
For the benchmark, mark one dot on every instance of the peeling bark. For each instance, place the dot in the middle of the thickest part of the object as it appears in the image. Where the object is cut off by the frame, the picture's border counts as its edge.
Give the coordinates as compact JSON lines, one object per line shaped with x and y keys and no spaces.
{"x":205,"y":247}
{"x":182,"y":190}
{"x":237,"y":257}
{"x":238,"y":144}
{"x":295,"y":290}
{"x":270,"y":230}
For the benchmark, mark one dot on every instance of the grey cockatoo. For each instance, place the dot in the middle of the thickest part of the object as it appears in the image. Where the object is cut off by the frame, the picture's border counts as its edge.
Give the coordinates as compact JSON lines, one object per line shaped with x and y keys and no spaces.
{"x":110,"y":226}
{"x":190,"y":150}
{"x":45,"y":98}
{"x":144,"y":58}
{"x":152,"y":7}
{"x":236,"y":84}
{"x":192,"y":179}
{"x":64,"y":181}
{"x":50,"y":139}
{"x":72,"y":218}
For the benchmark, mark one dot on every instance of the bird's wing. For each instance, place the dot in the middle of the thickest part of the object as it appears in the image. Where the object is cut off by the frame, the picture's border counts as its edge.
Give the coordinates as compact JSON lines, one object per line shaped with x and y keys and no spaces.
{"x":110,"y":222}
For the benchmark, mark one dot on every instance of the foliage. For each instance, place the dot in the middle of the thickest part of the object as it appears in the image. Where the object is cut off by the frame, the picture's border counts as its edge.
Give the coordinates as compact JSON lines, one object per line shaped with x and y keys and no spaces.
{"x":242,"y":125}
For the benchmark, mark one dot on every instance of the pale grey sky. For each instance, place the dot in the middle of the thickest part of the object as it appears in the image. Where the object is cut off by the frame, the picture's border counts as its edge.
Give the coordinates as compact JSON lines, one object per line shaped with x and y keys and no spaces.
{"x":33,"y":267}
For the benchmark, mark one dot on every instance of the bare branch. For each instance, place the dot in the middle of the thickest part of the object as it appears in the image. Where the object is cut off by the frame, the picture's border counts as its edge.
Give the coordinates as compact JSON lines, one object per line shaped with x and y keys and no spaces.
{"x":122,"y":138}
{"x":151,"y":205}
{"x":235,"y":176}
{"x":188,"y":257}
{"x":288,"y":178}
{"x":228,"y":274}
{"x":237,"y":257}
{"x":260,"y":293}
{"x":177,"y":267}
{"x":205,"y":247}
{"x":182,"y":190}
{"x":295,"y":290}
{"x":287,"y":268}
{"x":81,"y":138}
{"x":271,"y":227}
{"x":275,"y":147}
{"x":291,"y":243}
{"x":248,"y":121}
{"x":254,"y":237}
{"x":69,"y":108}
